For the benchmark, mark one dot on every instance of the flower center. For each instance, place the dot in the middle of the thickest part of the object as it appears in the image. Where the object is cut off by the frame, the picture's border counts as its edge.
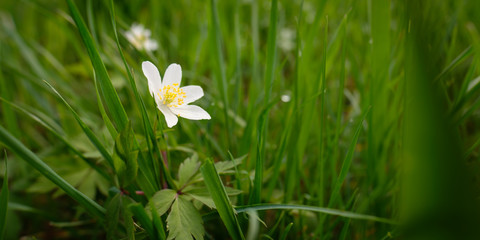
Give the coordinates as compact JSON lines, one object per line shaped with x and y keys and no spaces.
{"x":173,"y":96}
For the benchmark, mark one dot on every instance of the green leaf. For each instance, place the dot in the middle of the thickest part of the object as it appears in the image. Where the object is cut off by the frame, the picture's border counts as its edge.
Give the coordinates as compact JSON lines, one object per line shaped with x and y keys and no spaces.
{"x":224,"y":166}
{"x":23,"y":152}
{"x":4,"y":201}
{"x":125,"y":156}
{"x":201,"y":194}
{"x":187,"y":169}
{"x":184,"y":221}
{"x":162,"y":201}
{"x":221,"y":200}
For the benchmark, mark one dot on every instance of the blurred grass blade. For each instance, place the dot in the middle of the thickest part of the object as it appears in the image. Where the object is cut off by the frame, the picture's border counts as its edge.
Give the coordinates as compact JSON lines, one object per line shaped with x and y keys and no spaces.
{"x":286,"y":231}
{"x":347,"y":162}
{"x":459,"y":59}
{"x":221,"y":77}
{"x":271,"y":52}
{"x":4,"y":201}
{"x":125,"y":157}
{"x":255,"y":197}
{"x":86,"y":130}
{"x":108,"y":92}
{"x":221,"y":200}
{"x":9,"y":118}
{"x":18,"y":148}
{"x":329,"y":211}
{"x":58,"y":135}
{"x":106,"y":119}
{"x":379,"y":11}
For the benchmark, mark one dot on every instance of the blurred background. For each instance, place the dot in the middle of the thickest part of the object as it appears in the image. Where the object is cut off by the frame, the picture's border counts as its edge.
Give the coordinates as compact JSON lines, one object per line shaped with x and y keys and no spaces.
{"x":365,"y":106}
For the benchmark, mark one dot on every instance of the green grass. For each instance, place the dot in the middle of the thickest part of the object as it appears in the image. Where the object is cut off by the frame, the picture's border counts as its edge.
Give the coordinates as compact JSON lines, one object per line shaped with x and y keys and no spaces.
{"x":330,"y":120}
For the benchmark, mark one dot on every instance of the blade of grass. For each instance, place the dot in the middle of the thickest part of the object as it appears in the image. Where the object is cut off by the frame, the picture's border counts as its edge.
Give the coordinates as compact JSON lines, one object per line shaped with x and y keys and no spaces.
{"x":379,"y":17}
{"x":347,"y":162}
{"x":58,"y":135}
{"x":328,"y":211}
{"x":112,"y":101}
{"x":340,"y":105}
{"x":141,"y":106}
{"x":9,"y":117}
{"x":287,"y":230}
{"x":18,"y":148}
{"x":4,"y":200}
{"x":109,"y":95}
{"x":139,"y":212}
{"x":221,"y":200}
{"x":86,"y":129}
{"x":255,"y":197}
{"x":106,"y":119}
{"x":219,"y":67}
{"x":459,"y":59}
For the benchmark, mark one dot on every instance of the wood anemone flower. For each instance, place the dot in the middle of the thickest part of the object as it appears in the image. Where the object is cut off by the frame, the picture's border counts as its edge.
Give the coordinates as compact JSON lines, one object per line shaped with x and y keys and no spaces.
{"x":171,"y":99}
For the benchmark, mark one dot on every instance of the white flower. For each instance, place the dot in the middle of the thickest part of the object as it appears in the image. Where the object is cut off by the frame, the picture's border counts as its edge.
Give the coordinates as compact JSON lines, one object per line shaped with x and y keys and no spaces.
{"x":285,"y":98}
{"x":172,"y":100}
{"x":287,"y":39}
{"x":139,"y":37}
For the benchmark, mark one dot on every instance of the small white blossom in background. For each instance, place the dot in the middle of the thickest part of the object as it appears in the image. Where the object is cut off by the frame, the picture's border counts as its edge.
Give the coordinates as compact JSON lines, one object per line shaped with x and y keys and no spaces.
{"x":139,"y":37}
{"x":286,"y":39}
{"x":285,"y":98}
{"x":310,"y":12}
{"x":171,"y":99}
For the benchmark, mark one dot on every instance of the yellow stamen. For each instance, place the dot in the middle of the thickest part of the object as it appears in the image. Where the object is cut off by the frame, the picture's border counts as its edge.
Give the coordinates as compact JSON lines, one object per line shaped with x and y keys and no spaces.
{"x":173,"y":96}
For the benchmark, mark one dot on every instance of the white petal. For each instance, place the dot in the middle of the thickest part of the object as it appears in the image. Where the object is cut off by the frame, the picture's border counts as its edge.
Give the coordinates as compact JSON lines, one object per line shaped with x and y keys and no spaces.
{"x":173,"y":75}
{"x":170,"y":117}
{"x":129,"y":36}
{"x":151,"y":45}
{"x":153,"y":77}
{"x":192,"y":93}
{"x":137,"y":29}
{"x":147,"y":33}
{"x":191,"y":112}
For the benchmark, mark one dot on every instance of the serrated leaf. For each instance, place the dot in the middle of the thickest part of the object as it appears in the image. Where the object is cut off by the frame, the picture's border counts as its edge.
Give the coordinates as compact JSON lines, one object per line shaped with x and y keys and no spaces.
{"x":187,"y":169}
{"x":203,"y":198}
{"x":184,"y":221}
{"x":223,"y":167}
{"x":125,"y":156}
{"x":201,"y":194}
{"x":162,"y":201}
